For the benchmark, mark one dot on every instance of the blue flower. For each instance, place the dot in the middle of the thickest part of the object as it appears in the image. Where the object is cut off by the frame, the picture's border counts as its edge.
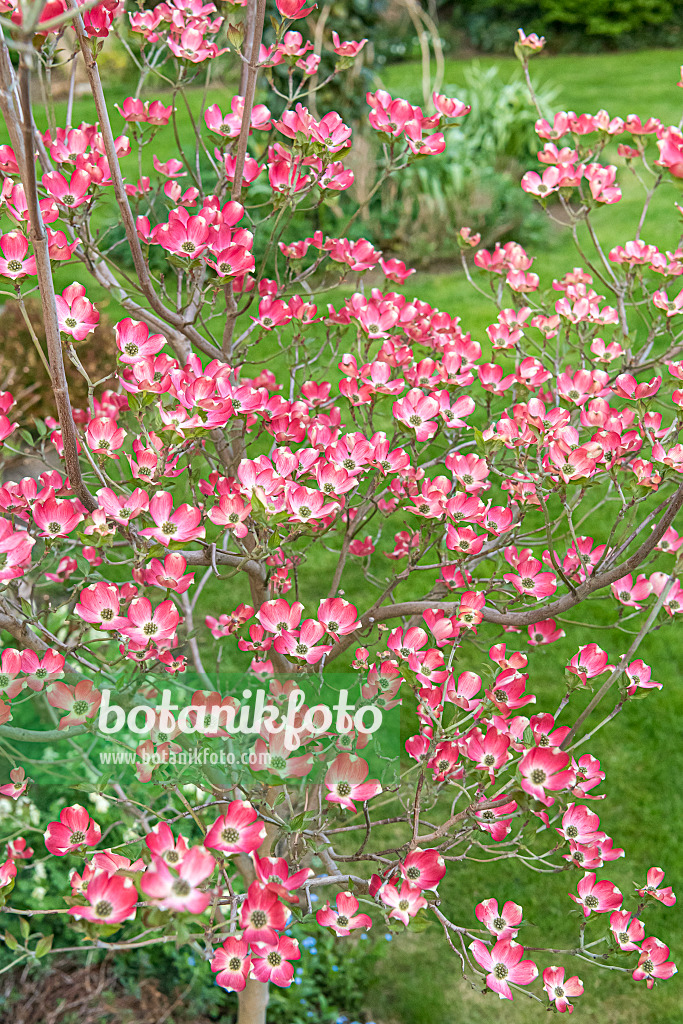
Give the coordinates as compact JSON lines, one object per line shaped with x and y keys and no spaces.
{"x":388,"y":936}
{"x":364,"y":938}
{"x":335,"y":967}
{"x":191,"y":961}
{"x":299,"y":970}
{"x":310,"y":940}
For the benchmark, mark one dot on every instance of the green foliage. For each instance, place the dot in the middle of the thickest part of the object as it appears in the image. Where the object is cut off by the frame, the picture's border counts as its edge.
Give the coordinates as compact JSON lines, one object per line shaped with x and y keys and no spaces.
{"x":475,"y":182}
{"x":571,"y":24}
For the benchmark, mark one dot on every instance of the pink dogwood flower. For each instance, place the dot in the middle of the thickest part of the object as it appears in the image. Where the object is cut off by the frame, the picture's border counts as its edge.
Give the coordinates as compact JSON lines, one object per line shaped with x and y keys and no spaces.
{"x":74,"y":829}
{"x":179,"y":890}
{"x":502,"y":924}
{"x":503,"y":964}
{"x":653,"y":962}
{"x":652,"y":890}
{"x":15,"y":265}
{"x":17,"y":784}
{"x":231,"y":964}
{"x":80,"y":701}
{"x":596,"y":897}
{"x":76,"y":315}
{"x":346,"y":781}
{"x":262,"y":915}
{"x":181,"y":525}
{"x":560,"y":990}
{"x":545,"y":768}
{"x":237,"y":831}
{"x":145,"y":625}
{"x":272,"y":961}
{"x":344,"y":917}
{"x":111,"y":900}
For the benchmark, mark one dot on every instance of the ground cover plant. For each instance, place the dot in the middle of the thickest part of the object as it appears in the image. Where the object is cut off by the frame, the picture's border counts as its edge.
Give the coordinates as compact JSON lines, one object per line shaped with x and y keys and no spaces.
{"x":379,"y":511}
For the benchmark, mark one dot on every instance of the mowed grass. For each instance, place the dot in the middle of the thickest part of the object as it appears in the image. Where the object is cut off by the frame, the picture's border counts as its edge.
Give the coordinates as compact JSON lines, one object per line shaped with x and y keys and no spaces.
{"x":642,"y":751}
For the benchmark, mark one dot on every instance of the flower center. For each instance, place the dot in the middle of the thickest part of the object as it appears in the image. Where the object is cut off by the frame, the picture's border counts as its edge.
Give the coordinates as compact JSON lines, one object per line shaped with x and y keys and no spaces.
{"x":592,"y":902}
{"x":181,"y":887}
{"x":103,"y":908}
{"x":230,"y":835}
{"x":538,"y":776}
{"x":234,"y":964}
{"x":80,"y":707}
{"x":71,"y":322}
{"x":500,"y":972}
{"x":343,"y":788}
{"x":342,"y":920}
{"x":77,"y":838}
{"x":274,"y":959}
{"x":14,"y":266}
{"x":258,"y":919}
{"x":499,"y":923}
{"x":168,"y":529}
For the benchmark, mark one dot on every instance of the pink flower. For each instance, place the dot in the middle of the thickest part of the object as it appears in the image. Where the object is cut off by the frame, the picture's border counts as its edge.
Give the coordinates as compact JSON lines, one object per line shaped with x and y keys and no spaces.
{"x":10,"y":667}
{"x":77,"y":316}
{"x":665,"y":896}
{"x":590,"y":661}
{"x":504,"y":924}
{"x":71,"y":194}
{"x":271,"y":961}
{"x":122,"y":508}
{"x":41,"y":670}
{"x":339,"y":617}
{"x":8,"y":872}
{"x":346,"y":781}
{"x":231,"y":964}
{"x":181,"y":525}
{"x":277,"y":616}
{"x":628,"y":931}
{"x":274,"y":872}
{"x":99,"y":605}
{"x":103,"y":436}
{"x":304,"y":645}
{"x":627,"y":386}
{"x":504,"y":964}
{"x":343,"y":918}
{"x":163,"y":846}
{"x":179,"y":890}
{"x":14,"y":247}
{"x":653,"y":963}
{"x":347,"y":49}
{"x":56,"y":518}
{"x":111,"y":900}
{"x":231,"y":512}
{"x":423,"y":869}
{"x":579,"y":825}
{"x":74,"y":829}
{"x":135,"y":342}
{"x":80,"y":701}
{"x":558,"y":989}
{"x":530,"y":580}
{"x":294,"y":9}
{"x":262,"y":915}
{"x":639,"y":675}
{"x":237,"y":831}
{"x":417,"y":412}
{"x":405,"y":902}
{"x":17,"y":784}
{"x":599,"y":897}
{"x":169,"y":574}
{"x":670,"y":144}
{"x":544,"y":768}
{"x":145,"y":625}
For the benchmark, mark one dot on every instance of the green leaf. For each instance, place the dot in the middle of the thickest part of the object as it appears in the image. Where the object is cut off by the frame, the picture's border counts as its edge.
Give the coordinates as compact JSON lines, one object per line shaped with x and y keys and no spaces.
{"x":44,"y":945}
{"x":24,"y":927}
{"x":11,"y":941}
{"x":27,"y":437}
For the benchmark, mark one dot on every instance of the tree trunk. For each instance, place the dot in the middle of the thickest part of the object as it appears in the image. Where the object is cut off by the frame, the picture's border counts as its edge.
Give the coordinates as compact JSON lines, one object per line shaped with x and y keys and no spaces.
{"x":253,"y":1001}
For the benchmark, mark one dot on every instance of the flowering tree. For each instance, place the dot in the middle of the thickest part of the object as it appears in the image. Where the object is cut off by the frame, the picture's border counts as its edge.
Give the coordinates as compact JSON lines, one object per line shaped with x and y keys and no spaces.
{"x":200,"y":465}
